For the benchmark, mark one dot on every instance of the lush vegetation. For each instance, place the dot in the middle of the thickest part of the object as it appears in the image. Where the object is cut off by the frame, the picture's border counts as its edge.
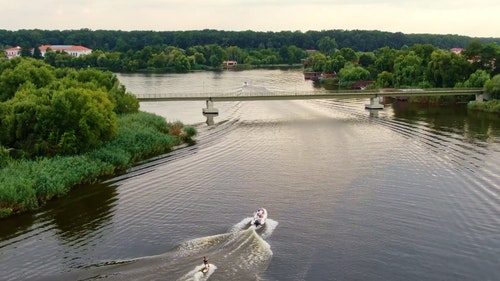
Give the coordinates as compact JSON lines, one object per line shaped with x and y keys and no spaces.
{"x":47,"y":111}
{"x":62,"y":127}
{"x":395,"y":60}
{"x":181,"y":51}
{"x":491,"y":86}
{"x":124,"y":41}
{"x":28,"y":184}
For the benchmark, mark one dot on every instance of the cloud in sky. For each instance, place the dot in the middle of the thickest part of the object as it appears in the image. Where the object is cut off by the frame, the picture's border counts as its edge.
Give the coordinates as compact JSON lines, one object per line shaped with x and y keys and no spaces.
{"x":425,"y":16}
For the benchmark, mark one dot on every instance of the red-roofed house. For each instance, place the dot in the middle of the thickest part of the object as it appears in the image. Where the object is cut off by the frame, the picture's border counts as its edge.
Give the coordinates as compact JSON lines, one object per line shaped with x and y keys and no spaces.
{"x":73,"y":50}
{"x":13,"y":52}
{"x":457,"y":50}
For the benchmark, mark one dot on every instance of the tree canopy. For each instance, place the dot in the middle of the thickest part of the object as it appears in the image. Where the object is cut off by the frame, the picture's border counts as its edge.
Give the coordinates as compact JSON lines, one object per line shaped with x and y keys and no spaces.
{"x":123,"y":41}
{"x":46,"y":111}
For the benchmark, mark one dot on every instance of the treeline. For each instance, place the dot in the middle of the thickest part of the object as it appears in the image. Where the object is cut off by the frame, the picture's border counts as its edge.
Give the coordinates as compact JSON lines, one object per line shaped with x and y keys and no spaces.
{"x":124,"y":41}
{"x":421,"y":65}
{"x":173,"y":59}
{"x":418,"y":65}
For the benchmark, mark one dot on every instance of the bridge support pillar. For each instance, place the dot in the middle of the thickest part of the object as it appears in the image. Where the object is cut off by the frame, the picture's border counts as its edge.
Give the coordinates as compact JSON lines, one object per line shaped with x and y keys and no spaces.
{"x":210,"y":112}
{"x":483,"y":96}
{"x":210,"y":109}
{"x":374,"y":104}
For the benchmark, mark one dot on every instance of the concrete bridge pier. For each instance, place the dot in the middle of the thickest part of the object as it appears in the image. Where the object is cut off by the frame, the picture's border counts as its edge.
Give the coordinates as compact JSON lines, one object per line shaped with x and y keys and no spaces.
{"x":374,"y":104}
{"x":482,"y":96}
{"x":210,"y":112}
{"x":210,"y":109}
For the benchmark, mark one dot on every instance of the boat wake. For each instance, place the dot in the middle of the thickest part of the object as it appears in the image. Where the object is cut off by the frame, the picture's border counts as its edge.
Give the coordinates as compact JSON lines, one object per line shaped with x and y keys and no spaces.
{"x":240,"y":254}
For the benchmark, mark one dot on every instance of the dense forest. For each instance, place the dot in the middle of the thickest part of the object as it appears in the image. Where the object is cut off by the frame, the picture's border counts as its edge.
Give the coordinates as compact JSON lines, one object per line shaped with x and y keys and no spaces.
{"x":389,"y":59}
{"x":123,"y":41}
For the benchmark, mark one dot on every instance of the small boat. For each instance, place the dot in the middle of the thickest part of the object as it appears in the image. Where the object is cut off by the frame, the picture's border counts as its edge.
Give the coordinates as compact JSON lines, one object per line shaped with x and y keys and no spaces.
{"x":259,"y":217}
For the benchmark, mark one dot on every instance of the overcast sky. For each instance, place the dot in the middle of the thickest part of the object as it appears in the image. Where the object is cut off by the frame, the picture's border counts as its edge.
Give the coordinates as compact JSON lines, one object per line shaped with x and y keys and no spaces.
{"x":472,"y":18}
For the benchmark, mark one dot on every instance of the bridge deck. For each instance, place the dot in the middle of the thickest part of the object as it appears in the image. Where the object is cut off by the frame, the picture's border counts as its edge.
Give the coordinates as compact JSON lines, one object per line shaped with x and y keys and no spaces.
{"x":274,"y":95}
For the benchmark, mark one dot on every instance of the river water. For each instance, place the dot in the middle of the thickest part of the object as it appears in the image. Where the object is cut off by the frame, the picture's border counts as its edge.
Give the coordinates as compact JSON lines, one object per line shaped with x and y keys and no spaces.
{"x":405,"y":193}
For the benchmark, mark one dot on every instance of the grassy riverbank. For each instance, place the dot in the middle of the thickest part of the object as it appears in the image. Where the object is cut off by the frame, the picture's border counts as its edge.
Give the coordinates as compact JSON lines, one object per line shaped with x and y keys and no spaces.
{"x":29,"y":184}
{"x":492,"y":106}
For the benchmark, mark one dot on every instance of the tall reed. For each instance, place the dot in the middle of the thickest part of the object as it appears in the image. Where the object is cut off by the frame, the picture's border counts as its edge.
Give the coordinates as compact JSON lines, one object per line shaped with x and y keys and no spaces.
{"x":27,"y":184}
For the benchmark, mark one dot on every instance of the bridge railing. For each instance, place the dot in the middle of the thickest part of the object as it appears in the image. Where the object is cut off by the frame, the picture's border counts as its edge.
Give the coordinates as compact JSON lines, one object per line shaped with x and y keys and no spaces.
{"x":264,"y":94}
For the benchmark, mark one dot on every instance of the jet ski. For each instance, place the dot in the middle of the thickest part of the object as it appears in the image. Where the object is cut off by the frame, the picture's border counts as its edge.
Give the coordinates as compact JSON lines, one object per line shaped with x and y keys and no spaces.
{"x":259,"y":217}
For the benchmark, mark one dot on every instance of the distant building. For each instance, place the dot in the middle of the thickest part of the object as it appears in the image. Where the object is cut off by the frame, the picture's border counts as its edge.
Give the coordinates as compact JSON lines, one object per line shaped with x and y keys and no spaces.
{"x":73,"y":50}
{"x":13,"y":52}
{"x":229,"y":63}
{"x":457,"y":50}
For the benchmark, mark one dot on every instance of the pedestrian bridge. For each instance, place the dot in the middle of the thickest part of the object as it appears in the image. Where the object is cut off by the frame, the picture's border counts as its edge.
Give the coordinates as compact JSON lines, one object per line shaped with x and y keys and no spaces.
{"x":251,"y":93}
{"x":264,"y":94}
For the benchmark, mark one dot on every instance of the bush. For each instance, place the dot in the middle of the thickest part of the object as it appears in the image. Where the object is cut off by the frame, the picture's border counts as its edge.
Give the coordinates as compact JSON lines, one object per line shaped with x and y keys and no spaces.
{"x":492,"y":86}
{"x":492,"y":106}
{"x":189,"y":133}
{"x":27,"y":184}
{"x":4,"y":157}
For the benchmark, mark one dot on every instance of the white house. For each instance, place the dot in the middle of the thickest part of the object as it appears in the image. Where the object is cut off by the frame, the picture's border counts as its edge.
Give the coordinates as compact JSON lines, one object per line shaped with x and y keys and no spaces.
{"x":73,"y":50}
{"x":13,"y":52}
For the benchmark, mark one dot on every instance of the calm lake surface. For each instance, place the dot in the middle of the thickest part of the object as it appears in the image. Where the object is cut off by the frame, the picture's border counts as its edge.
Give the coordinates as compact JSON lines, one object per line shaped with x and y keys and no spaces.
{"x":405,"y":193}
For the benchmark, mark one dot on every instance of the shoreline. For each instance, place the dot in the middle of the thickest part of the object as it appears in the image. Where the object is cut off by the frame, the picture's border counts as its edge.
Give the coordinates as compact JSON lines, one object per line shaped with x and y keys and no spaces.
{"x":30,"y":184}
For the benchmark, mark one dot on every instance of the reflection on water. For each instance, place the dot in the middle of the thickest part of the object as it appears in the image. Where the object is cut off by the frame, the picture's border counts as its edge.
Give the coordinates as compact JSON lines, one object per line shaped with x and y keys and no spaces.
{"x":75,"y":222}
{"x":79,"y":216}
{"x":476,"y":126}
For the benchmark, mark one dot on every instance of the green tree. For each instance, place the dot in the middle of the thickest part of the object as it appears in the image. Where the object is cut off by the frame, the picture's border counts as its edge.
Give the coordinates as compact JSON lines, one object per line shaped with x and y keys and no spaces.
{"x":294,"y":54}
{"x":44,"y":122}
{"x":318,"y":61}
{"x":351,"y":73}
{"x":235,"y":53}
{"x":327,"y":45}
{"x":492,"y":86}
{"x":349,"y":55}
{"x":446,"y":69}
{"x":424,"y":52}
{"x":181,"y":63}
{"x":490,"y":54}
{"x":159,"y":60}
{"x":385,"y":80}
{"x":216,"y":55}
{"x":26,"y":51}
{"x":366,"y":59}
{"x":19,"y":71}
{"x":50,"y":57}
{"x":408,"y":70}
{"x":384,"y":60}
{"x":335,"y":63}
{"x":477,"y":79}
{"x":37,"y":54}
{"x":473,"y":53}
